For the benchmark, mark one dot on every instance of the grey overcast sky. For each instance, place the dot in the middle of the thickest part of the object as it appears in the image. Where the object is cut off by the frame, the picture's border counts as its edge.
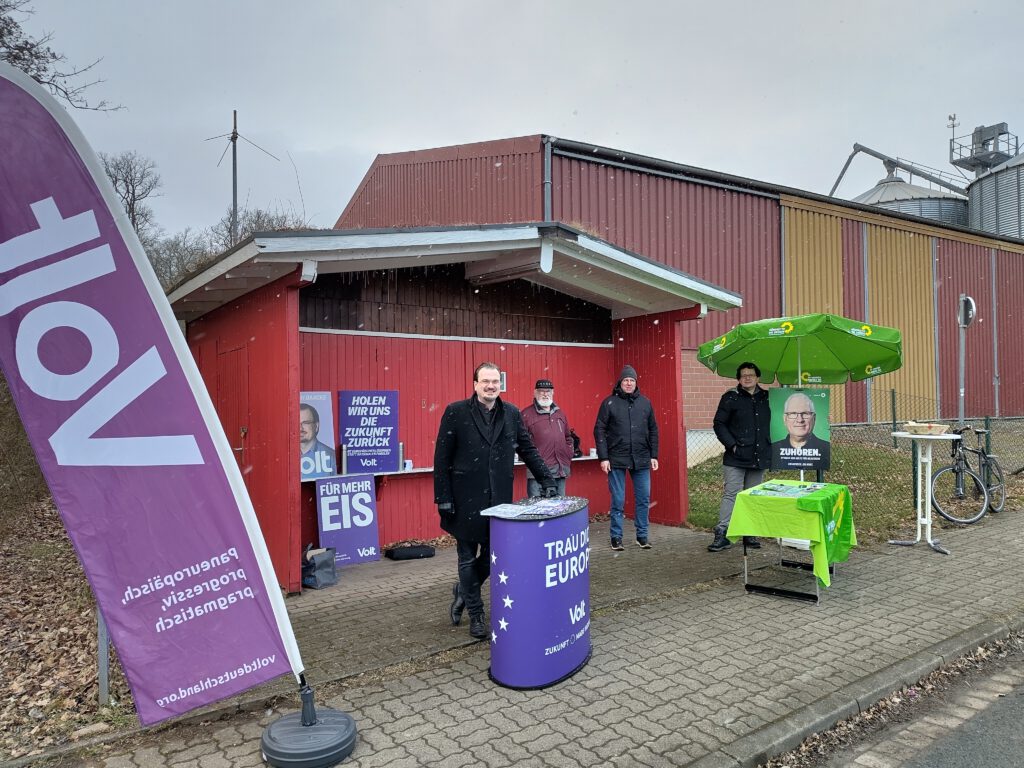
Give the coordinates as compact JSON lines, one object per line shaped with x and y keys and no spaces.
{"x":776,"y":91}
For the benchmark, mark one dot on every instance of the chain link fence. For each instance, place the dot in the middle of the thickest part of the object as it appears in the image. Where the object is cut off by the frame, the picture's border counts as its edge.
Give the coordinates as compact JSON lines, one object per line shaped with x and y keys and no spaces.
{"x":880,"y":470}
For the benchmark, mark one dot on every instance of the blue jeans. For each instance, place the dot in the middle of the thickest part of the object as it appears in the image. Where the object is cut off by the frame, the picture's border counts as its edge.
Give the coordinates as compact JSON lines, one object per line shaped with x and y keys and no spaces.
{"x":534,"y":488}
{"x":641,"y":497}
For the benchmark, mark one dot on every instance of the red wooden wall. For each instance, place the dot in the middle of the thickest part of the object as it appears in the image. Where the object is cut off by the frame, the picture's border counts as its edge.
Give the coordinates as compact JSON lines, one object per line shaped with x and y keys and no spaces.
{"x":247,"y":354}
{"x":431,"y":372}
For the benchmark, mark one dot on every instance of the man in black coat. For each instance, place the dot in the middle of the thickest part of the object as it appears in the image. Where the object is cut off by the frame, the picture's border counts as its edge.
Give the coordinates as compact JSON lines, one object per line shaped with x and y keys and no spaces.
{"x":742,"y":425}
{"x":473,"y":459}
{"x":626,"y":434}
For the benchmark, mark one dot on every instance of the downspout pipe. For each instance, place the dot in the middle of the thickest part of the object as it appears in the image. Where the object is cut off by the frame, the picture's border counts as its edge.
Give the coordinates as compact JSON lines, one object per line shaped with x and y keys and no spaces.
{"x":547,"y":179}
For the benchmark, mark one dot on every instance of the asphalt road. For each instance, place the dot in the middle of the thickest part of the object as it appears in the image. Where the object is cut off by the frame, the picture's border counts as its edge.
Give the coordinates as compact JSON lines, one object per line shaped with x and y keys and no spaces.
{"x":994,"y":737}
{"x":974,"y":724}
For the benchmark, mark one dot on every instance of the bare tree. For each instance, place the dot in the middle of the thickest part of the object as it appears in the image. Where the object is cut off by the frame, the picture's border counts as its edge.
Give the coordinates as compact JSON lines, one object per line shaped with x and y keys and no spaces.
{"x":35,"y":57}
{"x":175,"y":256}
{"x":252,"y":220}
{"x":135,"y":179}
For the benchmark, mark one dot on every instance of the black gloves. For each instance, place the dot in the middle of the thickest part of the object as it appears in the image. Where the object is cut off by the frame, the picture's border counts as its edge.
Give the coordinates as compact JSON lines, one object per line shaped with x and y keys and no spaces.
{"x":550,"y":492}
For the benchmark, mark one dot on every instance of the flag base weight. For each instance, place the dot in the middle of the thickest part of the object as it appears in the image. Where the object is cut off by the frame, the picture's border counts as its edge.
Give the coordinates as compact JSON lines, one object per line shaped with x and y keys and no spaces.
{"x":309,"y":739}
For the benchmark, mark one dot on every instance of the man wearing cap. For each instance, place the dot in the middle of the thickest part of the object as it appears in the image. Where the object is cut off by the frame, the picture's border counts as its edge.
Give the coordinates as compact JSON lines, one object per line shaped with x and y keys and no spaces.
{"x":549,"y":428}
{"x":627,"y":441}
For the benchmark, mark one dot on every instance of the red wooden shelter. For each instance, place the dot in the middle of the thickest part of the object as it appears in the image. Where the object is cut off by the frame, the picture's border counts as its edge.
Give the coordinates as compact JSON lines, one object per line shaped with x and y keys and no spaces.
{"x":415,"y":310}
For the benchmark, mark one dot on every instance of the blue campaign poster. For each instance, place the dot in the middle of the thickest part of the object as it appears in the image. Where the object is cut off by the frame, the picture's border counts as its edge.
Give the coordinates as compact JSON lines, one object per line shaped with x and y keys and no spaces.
{"x":368,"y":429}
{"x":317,"y":457}
{"x":346,"y":513}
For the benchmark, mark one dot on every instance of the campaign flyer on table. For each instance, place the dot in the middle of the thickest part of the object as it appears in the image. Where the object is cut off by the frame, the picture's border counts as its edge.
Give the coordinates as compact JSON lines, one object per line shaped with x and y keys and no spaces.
{"x":368,"y":426}
{"x":800,"y":431}
{"x":317,"y":455}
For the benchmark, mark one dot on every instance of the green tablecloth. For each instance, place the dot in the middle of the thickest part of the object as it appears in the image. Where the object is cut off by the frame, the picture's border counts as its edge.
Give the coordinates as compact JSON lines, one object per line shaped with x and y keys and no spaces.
{"x":824,"y":517}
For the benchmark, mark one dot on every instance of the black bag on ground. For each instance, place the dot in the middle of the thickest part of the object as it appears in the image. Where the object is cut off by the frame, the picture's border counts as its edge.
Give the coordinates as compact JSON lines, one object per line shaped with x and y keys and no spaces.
{"x":412,"y":552}
{"x":318,"y":568}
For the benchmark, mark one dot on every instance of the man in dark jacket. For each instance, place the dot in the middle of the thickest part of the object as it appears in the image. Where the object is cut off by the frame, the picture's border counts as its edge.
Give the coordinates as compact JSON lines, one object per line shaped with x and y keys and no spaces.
{"x":473,"y":457}
{"x":549,"y":428}
{"x":742,"y":424}
{"x":627,"y":441}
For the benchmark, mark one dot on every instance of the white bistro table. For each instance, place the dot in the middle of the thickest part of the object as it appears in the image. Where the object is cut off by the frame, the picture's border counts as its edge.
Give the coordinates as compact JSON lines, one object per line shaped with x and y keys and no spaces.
{"x":924,"y":488}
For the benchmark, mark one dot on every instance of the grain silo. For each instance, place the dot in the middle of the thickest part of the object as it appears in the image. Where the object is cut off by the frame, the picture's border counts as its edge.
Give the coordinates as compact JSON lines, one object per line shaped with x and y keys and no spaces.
{"x":994,"y":197}
{"x":895,"y":194}
{"x":948,"y":204}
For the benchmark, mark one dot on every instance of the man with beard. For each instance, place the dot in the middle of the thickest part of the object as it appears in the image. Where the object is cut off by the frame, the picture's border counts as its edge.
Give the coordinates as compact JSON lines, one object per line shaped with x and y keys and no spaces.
{"x":549,"y":428}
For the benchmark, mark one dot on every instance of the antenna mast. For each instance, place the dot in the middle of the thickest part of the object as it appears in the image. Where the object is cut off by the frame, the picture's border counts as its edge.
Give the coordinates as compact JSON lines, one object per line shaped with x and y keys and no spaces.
{"x":234,"y":177}
{"x":233,"y":138}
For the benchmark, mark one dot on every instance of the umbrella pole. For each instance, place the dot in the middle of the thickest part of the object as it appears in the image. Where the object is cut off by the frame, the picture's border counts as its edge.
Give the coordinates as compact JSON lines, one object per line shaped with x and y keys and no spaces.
{"x":799,"y":382}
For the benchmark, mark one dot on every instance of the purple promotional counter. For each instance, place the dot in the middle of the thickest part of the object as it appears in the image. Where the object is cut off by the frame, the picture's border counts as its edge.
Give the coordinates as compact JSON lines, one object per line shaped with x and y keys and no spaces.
{"x":540,"y":594}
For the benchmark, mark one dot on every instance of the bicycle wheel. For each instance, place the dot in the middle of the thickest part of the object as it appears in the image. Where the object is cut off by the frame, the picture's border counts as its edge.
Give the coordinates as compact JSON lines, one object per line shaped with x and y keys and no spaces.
{"x":959,"y":495}
{"x":996,"y":486}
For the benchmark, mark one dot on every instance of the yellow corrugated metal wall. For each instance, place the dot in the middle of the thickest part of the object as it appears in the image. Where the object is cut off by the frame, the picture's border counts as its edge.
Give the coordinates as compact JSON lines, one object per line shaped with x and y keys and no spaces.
{"x":900,"y":296}
{"x":813,"y":268}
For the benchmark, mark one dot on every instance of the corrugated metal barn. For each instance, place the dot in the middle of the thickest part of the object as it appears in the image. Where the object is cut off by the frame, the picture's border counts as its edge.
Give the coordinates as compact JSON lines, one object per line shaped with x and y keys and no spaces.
{"x":785,"y":251}
{"x":438,"y":262}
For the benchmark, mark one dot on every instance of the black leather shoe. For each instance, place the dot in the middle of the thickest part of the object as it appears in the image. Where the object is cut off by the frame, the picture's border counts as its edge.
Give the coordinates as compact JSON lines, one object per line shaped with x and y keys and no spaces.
{"x":478,"y":627}
{"x":751,"y":542}
{"x":458,"y":605}
{"x":719,"y":543}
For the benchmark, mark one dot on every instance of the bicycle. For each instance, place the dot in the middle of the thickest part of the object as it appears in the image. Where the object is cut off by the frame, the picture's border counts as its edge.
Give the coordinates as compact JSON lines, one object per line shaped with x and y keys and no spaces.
{"x":962,"y":495}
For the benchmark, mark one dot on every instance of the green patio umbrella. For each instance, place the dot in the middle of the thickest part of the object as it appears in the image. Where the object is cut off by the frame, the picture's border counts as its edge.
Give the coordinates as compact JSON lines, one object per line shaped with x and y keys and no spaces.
{"x":807,"y":349}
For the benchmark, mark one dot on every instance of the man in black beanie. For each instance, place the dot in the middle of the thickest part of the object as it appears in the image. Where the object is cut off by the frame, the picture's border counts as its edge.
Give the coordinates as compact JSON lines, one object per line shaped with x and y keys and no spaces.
{"x":627,"y":441}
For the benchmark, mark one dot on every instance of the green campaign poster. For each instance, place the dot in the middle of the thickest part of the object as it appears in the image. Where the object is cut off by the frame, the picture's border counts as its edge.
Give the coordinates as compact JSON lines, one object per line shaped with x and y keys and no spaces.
{"x":800,"y":431}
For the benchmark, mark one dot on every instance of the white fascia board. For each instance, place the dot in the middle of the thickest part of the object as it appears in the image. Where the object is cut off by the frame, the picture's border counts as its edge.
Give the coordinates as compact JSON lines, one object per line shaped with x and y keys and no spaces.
{"x":609,"y":257}
{"x":460,"y":252}
{"x":223,"y":266}
{"x":466,"y":239}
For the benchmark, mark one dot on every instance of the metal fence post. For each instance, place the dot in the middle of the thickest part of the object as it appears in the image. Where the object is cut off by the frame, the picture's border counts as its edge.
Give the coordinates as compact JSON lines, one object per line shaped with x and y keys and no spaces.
{"x":103,"y":652}
{"x":892,"y":400}
{"x":988,"y":434}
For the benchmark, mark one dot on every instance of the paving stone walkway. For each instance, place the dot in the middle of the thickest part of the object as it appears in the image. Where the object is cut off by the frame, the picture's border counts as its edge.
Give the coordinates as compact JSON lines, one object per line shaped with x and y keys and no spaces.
{"x":687,"y":668}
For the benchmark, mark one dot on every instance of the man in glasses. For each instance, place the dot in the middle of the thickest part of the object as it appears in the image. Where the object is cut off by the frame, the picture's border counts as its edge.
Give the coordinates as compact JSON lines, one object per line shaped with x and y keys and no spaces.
{"x":800,"y":448}
{"x":316,"y":459}
{"x":742,"y":425}
{"x":477,"y":442}
{"x":549,"y":428}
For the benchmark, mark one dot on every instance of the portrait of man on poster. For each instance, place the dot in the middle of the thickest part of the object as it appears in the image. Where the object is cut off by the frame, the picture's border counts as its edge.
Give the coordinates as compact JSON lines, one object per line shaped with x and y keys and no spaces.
{"x":799,"y":447}
{"x":316,"y":457}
